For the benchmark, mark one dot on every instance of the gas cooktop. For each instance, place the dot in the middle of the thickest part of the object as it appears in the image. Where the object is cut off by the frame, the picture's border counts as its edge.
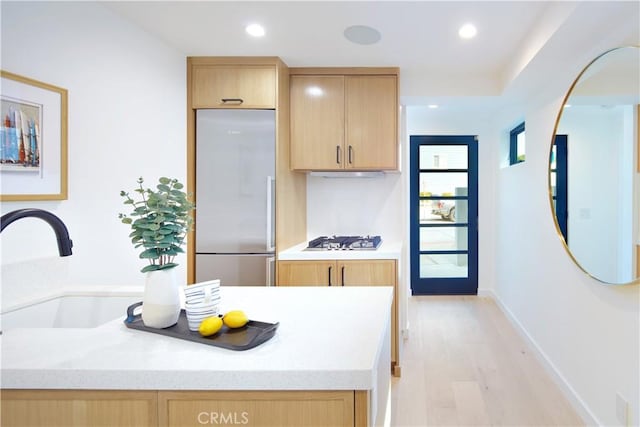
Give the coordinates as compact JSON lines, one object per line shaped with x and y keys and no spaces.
{"x":344,"y":243}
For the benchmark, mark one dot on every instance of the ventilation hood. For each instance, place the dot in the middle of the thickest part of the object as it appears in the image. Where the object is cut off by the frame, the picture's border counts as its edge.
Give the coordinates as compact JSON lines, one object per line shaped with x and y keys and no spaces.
{"x":345,"y":174}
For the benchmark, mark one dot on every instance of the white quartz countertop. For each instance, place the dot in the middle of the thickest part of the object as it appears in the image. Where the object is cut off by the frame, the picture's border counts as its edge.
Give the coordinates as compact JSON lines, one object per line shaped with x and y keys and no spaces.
{"x":327,"y":339}
{"x":386,"y":250}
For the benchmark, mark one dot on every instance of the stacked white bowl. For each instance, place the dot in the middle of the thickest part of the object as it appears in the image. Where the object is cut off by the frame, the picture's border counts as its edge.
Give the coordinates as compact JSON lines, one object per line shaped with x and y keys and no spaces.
{"x":201,"y":300}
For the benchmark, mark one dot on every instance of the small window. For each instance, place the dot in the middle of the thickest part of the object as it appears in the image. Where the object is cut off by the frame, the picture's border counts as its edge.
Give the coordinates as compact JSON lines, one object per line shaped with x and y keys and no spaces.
{"x":516,"y":144}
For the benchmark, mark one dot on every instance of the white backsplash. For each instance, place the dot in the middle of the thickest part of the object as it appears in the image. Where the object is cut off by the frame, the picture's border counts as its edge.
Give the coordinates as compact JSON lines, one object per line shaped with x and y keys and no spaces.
{"x":355,"y":206}
{"x":26,"y":280}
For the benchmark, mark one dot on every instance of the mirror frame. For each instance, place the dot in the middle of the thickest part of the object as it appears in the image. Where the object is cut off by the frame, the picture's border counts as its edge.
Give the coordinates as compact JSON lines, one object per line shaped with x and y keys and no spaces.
{"x":635,"y":281}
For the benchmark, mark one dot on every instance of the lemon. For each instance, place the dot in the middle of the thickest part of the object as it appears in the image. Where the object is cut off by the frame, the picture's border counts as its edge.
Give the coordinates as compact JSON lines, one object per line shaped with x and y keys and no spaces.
{"x":210,"y":326}
{"x":235,"y":319}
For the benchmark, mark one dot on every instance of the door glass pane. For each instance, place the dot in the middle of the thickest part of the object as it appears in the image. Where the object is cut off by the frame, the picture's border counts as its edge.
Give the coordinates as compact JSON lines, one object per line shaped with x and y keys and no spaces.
{"x":445,"y":184}
{"x":437,"y":211}
{"x":447,"y":265}
{"x":443,"y":157}
{"x":443,"y":238}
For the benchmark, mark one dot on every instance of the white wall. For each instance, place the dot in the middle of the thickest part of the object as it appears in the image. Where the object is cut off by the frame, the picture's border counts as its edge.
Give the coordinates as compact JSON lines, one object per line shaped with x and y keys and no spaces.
{"x":127,"y":94}
{"x":589,"y":333}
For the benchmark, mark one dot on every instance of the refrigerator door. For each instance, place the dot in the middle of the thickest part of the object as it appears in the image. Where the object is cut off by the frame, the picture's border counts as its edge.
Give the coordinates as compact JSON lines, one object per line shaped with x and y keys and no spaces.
{"x":235,"y":166}
{"x":236,"y":270}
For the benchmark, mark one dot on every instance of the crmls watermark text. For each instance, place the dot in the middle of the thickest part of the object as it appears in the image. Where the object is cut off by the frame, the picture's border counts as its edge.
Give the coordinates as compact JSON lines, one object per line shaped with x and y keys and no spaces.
{"x":223,"y":418}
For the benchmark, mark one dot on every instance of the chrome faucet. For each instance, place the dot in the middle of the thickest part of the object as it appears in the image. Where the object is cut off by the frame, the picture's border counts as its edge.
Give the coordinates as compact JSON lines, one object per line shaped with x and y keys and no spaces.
{"x":62,"y":234}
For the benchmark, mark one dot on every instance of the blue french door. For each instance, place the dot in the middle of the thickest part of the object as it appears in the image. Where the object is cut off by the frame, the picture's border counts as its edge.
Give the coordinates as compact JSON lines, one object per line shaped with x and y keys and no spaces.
{"x":444,"y":215}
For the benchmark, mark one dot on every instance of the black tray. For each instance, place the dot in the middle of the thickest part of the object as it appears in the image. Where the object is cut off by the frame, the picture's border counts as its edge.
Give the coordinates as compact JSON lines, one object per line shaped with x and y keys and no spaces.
{"x":250,"y":335}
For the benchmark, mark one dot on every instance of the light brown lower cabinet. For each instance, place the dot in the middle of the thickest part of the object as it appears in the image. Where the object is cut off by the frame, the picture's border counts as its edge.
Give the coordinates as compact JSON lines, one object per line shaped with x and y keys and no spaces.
{"x":382,"y":272}
{"x":258,"y":408}
{"x":85,"y":408}
{"x":81,"y":408}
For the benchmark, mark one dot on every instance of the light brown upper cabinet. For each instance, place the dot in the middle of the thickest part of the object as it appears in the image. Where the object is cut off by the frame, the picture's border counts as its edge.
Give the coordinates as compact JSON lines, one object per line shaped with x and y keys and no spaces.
{"x":234,"y":86}
{"x":371,"y":130}
{"x":344,"y":122}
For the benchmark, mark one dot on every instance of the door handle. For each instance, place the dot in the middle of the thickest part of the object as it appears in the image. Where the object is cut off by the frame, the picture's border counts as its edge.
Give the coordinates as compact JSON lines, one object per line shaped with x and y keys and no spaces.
{"x":269,"y":271}
{"x":338,"y":154}
{"x":330,"y":268}
{"x":350,"y":154}
{"x":342,"y":275}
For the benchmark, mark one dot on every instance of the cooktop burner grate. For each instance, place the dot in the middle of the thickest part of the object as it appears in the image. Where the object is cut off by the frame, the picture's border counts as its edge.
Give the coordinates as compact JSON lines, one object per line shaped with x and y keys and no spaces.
{"x":325,"y":243}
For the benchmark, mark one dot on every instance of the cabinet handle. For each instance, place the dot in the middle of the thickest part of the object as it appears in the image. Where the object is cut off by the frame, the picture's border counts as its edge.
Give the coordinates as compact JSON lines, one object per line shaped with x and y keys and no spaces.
{"x":350,"y":154}
{"x":338,"y":154}
{"x":330,"y":268}
{"x":342,"y":275}
{"x":232,"y":100}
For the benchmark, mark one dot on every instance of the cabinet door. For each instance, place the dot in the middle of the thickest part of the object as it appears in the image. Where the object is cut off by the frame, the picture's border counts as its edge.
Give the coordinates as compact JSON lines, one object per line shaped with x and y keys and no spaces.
{"x":317,"y":122}
{"x":367,"y":273}
{"x":234,"y":86}
{"x":307,"y":273}
{"x":79,"y":408}
{"x":259,"y":408}
{"x":372,"y":122}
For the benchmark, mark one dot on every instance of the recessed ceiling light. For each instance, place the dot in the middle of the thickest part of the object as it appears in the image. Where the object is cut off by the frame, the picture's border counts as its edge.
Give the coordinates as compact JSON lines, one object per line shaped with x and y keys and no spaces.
{"x":567,"y":106}
{"x":433,"y":106}
{"x":361,"y":34}
{"x":255,"y":30}
{"x":467,"y":31}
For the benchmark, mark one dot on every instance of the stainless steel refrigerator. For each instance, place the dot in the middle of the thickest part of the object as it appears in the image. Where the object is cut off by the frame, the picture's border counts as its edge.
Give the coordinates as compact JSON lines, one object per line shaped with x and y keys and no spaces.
{"x":235,"y":189}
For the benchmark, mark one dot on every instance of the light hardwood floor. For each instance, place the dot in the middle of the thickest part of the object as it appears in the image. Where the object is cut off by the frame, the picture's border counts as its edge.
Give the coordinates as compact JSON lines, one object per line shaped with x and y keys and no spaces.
{"x":465,"y":365}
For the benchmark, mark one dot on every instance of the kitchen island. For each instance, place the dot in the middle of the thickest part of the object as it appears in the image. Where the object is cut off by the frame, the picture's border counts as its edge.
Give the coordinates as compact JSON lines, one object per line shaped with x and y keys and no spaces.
{"x":326,"y":365}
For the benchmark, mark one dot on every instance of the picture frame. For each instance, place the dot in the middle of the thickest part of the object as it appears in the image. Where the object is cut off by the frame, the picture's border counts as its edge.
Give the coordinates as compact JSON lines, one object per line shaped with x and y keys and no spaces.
{"x":33,"y":139}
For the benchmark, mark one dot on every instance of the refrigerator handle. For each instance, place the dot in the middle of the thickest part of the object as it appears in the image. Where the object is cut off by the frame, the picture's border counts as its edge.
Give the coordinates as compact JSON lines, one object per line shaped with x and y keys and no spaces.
{"x":270,"y":237}
{"x":270,"y":264}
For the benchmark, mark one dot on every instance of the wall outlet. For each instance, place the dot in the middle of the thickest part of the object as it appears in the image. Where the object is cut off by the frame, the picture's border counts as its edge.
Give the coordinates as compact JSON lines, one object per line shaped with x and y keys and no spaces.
{"x":404,"y":333}
{"x":622,"y":410}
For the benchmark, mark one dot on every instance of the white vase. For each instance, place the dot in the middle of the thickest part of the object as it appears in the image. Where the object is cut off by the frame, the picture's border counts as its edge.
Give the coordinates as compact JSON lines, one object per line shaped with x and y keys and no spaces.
{"x":161,"y":300}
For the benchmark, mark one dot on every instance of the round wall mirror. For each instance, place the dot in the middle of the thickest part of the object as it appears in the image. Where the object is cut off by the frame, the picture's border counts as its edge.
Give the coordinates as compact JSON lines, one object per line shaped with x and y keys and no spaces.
{"x":594,"y":168}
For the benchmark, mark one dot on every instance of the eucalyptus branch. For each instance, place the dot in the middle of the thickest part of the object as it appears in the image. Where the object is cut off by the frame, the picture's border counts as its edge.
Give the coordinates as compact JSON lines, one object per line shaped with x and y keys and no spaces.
{"x":162,"y":223}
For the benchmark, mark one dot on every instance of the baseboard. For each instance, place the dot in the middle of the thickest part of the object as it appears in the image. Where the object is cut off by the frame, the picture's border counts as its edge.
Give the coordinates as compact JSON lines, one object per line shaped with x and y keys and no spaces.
{"x":574,"y":399}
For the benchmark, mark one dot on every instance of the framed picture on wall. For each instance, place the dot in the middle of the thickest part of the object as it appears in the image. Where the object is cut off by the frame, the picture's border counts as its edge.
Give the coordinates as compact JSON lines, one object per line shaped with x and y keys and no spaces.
{"x":33,"y":139}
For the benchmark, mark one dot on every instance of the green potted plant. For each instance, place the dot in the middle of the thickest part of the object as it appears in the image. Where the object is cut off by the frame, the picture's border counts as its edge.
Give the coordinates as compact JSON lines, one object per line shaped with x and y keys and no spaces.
{"x":160,"y":220}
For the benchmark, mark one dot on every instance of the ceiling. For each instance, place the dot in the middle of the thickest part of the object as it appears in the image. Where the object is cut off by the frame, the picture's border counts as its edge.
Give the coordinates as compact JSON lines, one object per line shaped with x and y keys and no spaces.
{"x":513,"y":53}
